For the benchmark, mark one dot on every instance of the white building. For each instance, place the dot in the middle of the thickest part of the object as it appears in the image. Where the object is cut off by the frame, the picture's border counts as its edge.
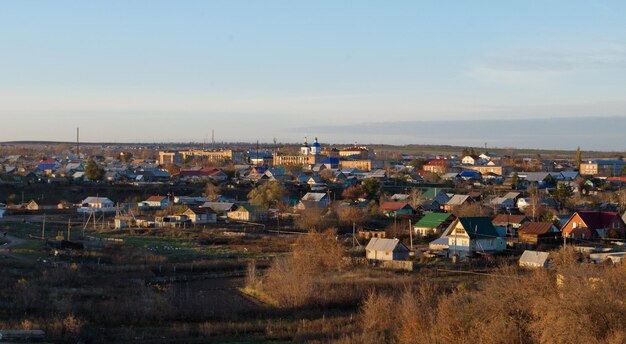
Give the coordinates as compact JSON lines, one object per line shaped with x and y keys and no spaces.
{"x":97,"y":205}
{"x":469,"y":235}
{"x":386,"y":249}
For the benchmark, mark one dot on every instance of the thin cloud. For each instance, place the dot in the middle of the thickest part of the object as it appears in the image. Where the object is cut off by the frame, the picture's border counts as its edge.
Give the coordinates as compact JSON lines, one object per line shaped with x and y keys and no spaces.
{"x":611,"y":56}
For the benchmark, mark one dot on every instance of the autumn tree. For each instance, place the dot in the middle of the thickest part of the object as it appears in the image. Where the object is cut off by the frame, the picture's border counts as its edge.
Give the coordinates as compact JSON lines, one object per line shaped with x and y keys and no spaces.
{"x":563,"y":194}
{"x":471,"y":209}
{"x":349,"y":215}
{"x":291,"y":280}
{"x":125,"y":157}
{"x":172,"y":169}
{"x":93,"y":171}
{"x":314,"y":219}
{"x":352,"y":193}
{"x":327,"y":175}
{"x":415,"y":198}
{"x":579,"y":158}
{"x":514,"y":180}
{"x":418,"y":163}
{"x":371,"y":186}
{"x":211,"y":191}
{"x":266,"y":194}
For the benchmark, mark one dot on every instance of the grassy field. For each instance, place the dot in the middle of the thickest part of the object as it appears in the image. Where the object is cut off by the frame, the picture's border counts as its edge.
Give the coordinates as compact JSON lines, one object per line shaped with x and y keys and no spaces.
{"x":519,"y":152}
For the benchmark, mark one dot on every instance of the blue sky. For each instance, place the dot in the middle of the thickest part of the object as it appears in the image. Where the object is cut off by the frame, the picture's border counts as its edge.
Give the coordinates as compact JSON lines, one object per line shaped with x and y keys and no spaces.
{"x":174,"y":70}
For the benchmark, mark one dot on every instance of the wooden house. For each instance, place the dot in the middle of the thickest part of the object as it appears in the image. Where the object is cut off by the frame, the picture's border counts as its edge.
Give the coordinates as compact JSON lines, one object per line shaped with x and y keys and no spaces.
{"x":248,"y":213}
{"x":200,"y":216}
{"x":536,"y":233}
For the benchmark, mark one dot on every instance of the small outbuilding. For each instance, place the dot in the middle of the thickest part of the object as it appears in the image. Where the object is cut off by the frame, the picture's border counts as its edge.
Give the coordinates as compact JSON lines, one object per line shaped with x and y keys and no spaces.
{"x":386,"y":249}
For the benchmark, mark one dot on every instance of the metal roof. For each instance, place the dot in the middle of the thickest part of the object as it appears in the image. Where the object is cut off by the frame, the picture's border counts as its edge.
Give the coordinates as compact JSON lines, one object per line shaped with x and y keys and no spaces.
{"x":479,"y":227}
{"x":385,"y":245}
{"x":433,"y":220}
{"x":534,"y":258}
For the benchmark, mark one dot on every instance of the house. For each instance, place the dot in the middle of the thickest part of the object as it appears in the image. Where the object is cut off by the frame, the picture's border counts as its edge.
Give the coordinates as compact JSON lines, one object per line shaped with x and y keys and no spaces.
{"x":438,"y":166}
{"x":155,"y":202}
{"x":186,"y":200}
{"x":435,"y":194}
{"x":534,"y":259}
{"x":471,"y":175}
{"x":313,"y":200}
{"x":513,"y":195}
{"x":249,"y":213}
{"x":501,"y":203}
{"x":396,"y":208}
{"x":537,"y":233}
{"x":42,"y":204}
{"x":472,"y":159}
{"x":508,"y":224}
{"x":96,"y":204}
{"x":594,"y":224}
{"x":200,"y":216}
{"x":48,"y":165}
{"x":386,"y":249}
{"x":451,"y":176}
{"x":469,"y":235}
{"x":524,"y":203}
{"x":209,"y":173}
{"x":371,"y":233}
{"x":433,"y":223}
{"x":314,"y":179}
{"x":456,"y":201}
{"x":220,"y":208}
{"x":400,"y":198}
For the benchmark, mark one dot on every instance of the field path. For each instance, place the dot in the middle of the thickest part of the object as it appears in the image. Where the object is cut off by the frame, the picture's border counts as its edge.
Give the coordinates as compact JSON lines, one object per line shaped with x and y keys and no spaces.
{"x":11,"y":241}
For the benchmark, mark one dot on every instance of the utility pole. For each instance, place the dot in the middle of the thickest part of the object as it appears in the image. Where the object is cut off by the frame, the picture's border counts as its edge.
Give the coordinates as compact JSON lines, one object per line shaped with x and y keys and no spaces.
{"x":353,"y":234}
{"x":411,"y":234}
{"x":43,"y":227}
{"x":78,"y":143}
{"x":69,"y":226}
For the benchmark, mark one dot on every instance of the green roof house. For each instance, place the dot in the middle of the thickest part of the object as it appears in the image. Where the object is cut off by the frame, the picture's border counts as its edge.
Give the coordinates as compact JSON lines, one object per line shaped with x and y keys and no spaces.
{"x":433,"y":223}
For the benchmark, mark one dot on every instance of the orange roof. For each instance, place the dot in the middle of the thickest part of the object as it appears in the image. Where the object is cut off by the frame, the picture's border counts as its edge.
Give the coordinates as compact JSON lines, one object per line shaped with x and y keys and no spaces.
{"x":535,"y":227}
{"x":156,"y":198}
{"x":393,"y":206}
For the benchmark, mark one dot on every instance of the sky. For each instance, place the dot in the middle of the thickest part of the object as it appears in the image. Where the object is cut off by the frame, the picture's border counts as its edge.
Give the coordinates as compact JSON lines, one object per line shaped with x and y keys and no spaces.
{"x":173,"y":71}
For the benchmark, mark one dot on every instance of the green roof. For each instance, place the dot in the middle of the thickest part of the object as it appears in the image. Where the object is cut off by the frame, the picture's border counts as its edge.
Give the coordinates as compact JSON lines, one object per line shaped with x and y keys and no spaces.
{"x":479,"y":227}
{"x":431,"y":193}
{"x":433,"y":220}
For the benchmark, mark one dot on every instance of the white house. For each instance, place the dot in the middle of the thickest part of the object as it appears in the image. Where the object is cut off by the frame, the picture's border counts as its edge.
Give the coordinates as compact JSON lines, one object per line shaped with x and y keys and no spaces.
{"x":96,"y":204}
{"x":469,"y":235}
{"x":472,"y":160}
{"x":158,"y":202}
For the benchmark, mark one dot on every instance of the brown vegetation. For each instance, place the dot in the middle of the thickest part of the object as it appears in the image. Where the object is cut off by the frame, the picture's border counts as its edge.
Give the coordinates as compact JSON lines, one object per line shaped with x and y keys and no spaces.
{"x":575,"y":303}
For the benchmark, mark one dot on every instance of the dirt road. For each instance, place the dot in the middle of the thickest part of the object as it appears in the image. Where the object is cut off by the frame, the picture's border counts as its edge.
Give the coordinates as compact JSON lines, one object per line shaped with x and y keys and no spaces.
{"x":11,"y":241}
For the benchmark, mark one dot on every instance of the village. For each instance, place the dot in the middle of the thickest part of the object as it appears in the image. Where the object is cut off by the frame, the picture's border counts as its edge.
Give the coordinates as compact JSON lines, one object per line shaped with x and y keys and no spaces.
{"x":390,"y":213}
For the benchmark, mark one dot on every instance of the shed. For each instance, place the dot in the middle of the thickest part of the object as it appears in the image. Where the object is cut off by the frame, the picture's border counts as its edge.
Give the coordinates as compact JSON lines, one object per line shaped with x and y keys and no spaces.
{"x":386,"y":249}
{"x":534,"y":259}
